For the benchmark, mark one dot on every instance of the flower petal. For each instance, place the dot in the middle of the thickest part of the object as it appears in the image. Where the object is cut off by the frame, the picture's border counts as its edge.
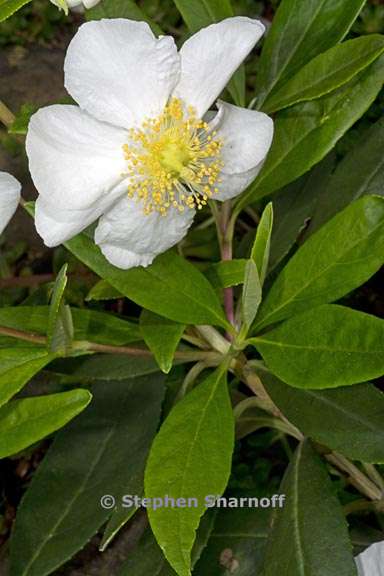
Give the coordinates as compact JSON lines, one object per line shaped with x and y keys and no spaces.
{"x":247,"y":137}
{"x":371,"y":561}
{"x":118,"y":71}
{"x":210,"y":58}
{"x":75,"y":161}
{"x":128,"y":237}
{"x":9,"y":198}
{"x":58,"y":226}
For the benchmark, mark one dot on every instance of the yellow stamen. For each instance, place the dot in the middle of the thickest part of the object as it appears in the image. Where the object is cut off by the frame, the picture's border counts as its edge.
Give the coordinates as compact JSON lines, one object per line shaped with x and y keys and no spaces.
{"x":173,"y":160}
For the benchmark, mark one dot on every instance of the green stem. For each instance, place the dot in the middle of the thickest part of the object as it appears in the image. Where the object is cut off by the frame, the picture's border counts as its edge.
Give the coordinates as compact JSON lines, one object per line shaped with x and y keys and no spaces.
{"x":6,"y":116}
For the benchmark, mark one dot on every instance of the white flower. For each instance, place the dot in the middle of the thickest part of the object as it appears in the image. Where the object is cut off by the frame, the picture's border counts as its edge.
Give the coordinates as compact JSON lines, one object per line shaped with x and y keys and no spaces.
{"x":77,"y":5}
{"x":9,"y":198}
{"x":135,"y":154}
{"x":371,"y":561}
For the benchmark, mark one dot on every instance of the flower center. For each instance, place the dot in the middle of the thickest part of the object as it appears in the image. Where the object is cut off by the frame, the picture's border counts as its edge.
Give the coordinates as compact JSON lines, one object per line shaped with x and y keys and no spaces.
{"x":174,"y":160}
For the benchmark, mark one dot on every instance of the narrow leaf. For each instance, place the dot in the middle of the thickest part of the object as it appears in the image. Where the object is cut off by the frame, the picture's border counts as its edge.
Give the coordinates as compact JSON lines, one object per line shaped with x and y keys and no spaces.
{"x":170,"y":287}
{"x":60,"y":324}
{"x":162,"y":337}
{"x":262,"y":244}
{"x":354,"y":416}
{"x":328,"y":346}
{"x":310,"y":532}
{"x":90,"y":325}
{"x":121,"y":9}
{"x":327,"y":72}
{"x":252,"y":293}
{"x":301,"y":30}
{"x":190,"y":458}
{"x":24,"y":422}
{"x":226,"y":273}
{"x":103,"y":451}
{"x":9,"y":7}
{"x":360,"y":173}
{"x":306,"y":132}
{"x":341,"y":256}
{"x":18,"y":366}
{"x":103,"y":291}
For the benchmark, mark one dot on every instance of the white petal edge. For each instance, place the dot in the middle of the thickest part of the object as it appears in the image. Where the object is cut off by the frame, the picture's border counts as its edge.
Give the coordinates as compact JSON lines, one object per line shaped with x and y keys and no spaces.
{"x":57,"y":226}
{"x":211,"y":56}
{"x":10,"y":190}
{"x":128,"y":237}
{"x":119,"y":72}
{"x":371,"y":561}
{"x":247,"y":137}
{"x":74,"y":160}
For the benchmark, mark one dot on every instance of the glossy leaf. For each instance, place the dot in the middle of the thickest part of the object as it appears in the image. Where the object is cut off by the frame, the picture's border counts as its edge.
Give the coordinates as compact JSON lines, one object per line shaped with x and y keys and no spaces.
{"x":354,"y":416}
{"x":226,"y":273}
{"x":170,"y":287}
{"x":328,"y":346}
{"x":327,"y":72}
{"x":341,"y":256}
{"x":17,"y":366}
{"x":360,"y":173}
{"x":9,"y":7}
{"x":237,"y":544}
{"x":294,"y":206}
{"x":262,"y":244}
{"x":103,"y":451}
{"x":105,"y":367}
{"x":301,"y":30}
{"x":306,"y":132}
{"x":252,"y":294}
{"x":60,"y":324}
{"x":88,"y":324}
{"x":310,"y":532}
{"x":162,"y":337}
{"x":102,"y":290}
{"x":24,"y":422}
{"x":190,"y":458}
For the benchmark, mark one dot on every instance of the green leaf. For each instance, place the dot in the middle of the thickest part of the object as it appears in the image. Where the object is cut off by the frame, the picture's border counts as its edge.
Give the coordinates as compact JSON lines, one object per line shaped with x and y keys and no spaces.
{"x":341,"y":256}
{"x":121,"y":9}
{"x":236,"y":545}
{"x":18,"y":366}
{"x":301,"y":30}
{"x":226,"y":273}
{"x":293,"y":207}
{"x":262,"y":244}
{"x":9,"y":7}
{"x":327,"y":72}
{"x":60,"y":325}
{"x":170,"y":287}
{"x":306,"y":132}
{"x":198,"y":14}
{"x":90,"y":325}
{"x":20,"y":124}
{"x":103,"y":291}
{"x":361,"y":172}
{"x":252,"y":294}
{"x":328,"y":346}
{"x":190,"y":458}
{"x":162,"y":337}
{"x":25,"y":421}
{"x":354,"y":416}
{"x":103,"y":451}
{"x":147,"y":557}
{"x":105,"y":367}
{"x":310,"y":533}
